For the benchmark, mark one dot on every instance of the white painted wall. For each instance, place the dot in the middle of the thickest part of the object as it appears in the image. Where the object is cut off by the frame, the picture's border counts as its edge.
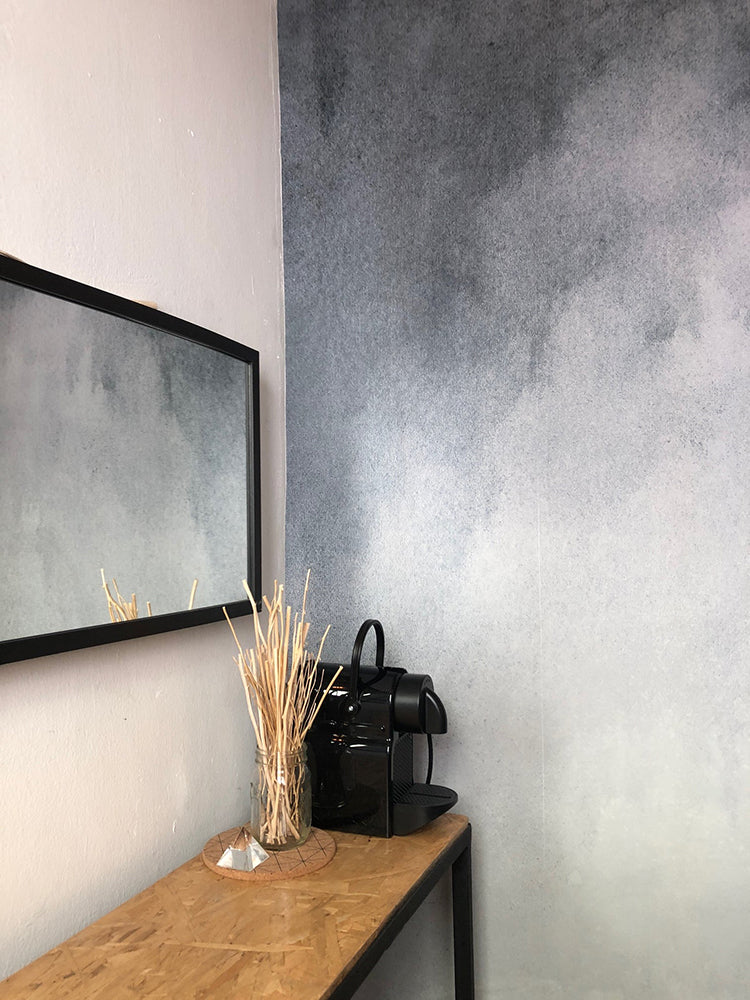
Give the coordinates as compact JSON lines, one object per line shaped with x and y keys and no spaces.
{"x":139,"y":154}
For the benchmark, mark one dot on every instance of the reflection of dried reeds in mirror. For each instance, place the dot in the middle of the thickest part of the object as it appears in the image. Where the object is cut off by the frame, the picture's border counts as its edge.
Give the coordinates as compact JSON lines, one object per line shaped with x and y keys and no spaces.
{"x":283,"y":698}
{"x":122,"y":610}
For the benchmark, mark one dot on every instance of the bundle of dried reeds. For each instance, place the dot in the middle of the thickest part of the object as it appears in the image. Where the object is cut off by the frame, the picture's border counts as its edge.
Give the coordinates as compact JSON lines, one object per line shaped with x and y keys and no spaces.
{"x":283,"y":699}
{"x":122,"y":610}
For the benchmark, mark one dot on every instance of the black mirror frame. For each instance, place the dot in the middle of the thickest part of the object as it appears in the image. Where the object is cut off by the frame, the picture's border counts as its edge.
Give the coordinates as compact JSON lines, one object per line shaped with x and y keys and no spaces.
{"x":28,"y":647}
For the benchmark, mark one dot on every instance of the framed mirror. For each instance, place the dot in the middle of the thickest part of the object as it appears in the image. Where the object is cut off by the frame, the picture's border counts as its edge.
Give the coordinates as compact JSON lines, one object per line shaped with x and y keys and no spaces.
{"x":129,"y":456}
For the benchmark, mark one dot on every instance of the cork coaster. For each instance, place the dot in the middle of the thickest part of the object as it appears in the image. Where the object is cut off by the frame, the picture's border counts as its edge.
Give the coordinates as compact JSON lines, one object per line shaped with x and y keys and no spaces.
{"x":315,"y":853}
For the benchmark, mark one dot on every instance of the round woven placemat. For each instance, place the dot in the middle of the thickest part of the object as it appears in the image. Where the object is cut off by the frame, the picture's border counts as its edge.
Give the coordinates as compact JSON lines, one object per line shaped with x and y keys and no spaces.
{"x":315,"y":853}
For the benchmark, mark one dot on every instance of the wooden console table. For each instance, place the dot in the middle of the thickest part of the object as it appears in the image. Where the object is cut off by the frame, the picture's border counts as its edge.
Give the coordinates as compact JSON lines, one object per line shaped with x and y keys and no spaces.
{"x":195,"y":935}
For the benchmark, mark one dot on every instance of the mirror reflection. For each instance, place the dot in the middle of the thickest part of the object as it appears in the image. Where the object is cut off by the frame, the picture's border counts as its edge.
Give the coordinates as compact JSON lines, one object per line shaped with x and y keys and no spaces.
{"x":123,"y":448}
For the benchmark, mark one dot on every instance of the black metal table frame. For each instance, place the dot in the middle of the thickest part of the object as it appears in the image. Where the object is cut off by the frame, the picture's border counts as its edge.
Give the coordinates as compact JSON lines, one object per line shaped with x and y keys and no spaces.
{"x":458,"y":858}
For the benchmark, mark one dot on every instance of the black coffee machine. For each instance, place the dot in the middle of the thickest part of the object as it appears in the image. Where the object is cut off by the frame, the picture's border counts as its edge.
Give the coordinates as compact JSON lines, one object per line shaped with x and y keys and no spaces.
{"x":361,"y":747}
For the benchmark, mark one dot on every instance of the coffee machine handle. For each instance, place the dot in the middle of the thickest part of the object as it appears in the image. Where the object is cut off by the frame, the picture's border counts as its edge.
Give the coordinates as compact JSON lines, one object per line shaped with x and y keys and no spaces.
{"x":352,"y":702}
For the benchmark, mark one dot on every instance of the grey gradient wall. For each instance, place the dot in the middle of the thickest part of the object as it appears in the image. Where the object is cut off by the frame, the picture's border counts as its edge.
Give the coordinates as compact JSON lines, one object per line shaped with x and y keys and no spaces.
{"x":517,"y":260}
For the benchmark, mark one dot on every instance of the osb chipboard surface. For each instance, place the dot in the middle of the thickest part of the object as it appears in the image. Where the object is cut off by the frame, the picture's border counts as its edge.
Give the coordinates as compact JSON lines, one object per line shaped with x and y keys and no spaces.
{"x":197,"y":935}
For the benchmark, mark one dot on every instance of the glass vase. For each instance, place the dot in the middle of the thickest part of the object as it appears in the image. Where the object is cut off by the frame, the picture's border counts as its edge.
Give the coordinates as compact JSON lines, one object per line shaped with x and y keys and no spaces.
{"x":281,"y":814}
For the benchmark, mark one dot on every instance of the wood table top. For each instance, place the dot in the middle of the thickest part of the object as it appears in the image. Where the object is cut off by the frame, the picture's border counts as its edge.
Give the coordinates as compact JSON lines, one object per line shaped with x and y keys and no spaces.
{"x":195,"y":934}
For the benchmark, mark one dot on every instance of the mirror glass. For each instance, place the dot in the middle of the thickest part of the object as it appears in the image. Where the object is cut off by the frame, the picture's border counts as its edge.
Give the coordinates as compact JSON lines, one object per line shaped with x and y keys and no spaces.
{"x":128,"y":444}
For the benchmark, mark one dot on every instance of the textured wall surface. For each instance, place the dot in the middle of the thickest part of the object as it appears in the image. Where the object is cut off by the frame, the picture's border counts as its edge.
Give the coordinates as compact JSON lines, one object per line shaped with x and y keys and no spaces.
{"x":140,"y":154}
{"x":517,"y":264}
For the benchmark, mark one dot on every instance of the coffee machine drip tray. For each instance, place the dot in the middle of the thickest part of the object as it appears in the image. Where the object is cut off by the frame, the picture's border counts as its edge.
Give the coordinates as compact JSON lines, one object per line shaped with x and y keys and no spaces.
{"x":419,"y":804}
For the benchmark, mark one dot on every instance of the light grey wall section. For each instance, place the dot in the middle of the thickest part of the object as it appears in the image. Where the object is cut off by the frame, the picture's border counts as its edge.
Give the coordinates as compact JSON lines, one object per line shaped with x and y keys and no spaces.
{"x":517,"y":288}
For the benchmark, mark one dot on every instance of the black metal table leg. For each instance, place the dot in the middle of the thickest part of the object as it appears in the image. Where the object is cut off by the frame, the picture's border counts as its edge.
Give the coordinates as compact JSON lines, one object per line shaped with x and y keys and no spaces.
{"x":463,"y":924}
{"x":457,"y":858}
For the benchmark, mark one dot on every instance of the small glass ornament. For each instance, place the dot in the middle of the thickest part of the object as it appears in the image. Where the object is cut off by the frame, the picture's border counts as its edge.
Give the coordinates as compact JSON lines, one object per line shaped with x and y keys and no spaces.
{"x":281,"y":808}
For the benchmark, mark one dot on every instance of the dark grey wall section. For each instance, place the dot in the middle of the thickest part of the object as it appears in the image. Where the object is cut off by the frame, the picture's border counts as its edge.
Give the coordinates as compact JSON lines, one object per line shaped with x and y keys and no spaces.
{"x":517,"y":300}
